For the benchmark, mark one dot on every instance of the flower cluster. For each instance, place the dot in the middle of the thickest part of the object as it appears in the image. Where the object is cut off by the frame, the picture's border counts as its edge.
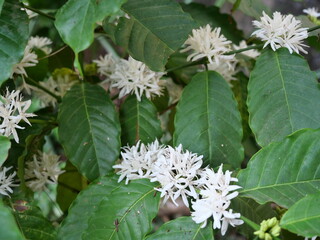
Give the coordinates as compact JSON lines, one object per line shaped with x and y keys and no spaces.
{"x":6,"y":182}
{"x":130,"y":76}
{"x":41,"y":43}
{"x":268,"y":229}
{"x":44,"y":169}
{"x":12,"y":111}
{"x":281,"y":31}
{"x":180,"y":174}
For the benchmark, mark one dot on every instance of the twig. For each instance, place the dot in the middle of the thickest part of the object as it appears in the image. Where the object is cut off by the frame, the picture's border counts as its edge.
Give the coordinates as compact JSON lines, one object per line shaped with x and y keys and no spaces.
{"x":39,"y":12}
{"x":54,"y":53}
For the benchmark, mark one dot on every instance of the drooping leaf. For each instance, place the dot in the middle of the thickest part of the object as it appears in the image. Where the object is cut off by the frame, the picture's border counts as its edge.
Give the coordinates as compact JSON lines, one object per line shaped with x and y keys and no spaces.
{"x":284,"y":172}
{"x":5,"y":145}
{"x":14,"y":33}
{"x":32,"y":223}
{"x":253,"y":8}
{"x":303,"y":218}
{"x":111,"y":210}
{"x":76,"y":20}
{"x":182,"y":228}
{"x":155,"y":30}
{"x":139,"y":121}
{"x":89,"y":130}
{"x":208,"y":121}
{"x":8,"y":225}
{"x":211,"y":15}
{"x":283,"y":96}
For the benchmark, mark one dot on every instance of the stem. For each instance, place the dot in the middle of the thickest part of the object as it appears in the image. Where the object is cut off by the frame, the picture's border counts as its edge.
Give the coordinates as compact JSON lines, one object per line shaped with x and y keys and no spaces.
{"x":36,"y":84}
{"x":313,"y":28}
{"x":39,"y":12}
{"x":42,"y":121}
{"x":245,"y":49}
{"x":253,"y":225}
{"x":54,"y":53}
{"x":201,"y":61}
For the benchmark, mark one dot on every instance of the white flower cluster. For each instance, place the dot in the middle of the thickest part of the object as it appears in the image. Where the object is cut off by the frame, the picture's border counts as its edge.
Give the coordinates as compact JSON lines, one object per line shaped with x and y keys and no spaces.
{"x":312,"y":12}
{"x":41,"y":43}
{"x":6,"y":182}
{"x":12,"y":111}
{"x":252,"y":53}
{"x":180,"y":175}
{"x":130,"y":76}
{"x":281,"y":31}
{"x":44,"y":169}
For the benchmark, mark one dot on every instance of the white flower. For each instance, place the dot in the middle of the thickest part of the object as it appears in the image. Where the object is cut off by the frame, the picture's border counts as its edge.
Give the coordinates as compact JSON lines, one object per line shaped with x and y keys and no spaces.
{"x":29,"y":60}
{"x":137,"y":161}
{"x":227,"y":69}
{"x":12,"y":111}
{"x":253,"y":53}
{"x":41,"y":43}
{"x":281,"y":31}
{"x":177,"y":171}
{"x":44,"y":169}
{"x":131,"y":76}
{"x":216,"y":194}
{"x":6,"y":182}
{"x":312,"y":12}
{"x":208,"y":43}
{"x":106,"y":65}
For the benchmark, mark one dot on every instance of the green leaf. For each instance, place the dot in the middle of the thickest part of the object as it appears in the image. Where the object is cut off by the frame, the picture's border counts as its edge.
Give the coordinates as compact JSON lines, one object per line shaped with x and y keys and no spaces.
{"x":253,"y":8}
{"x":76,"y":20}
{"x":89,"y":130}
{"x":5,"y":145}
{"x":8,"y":226}
{"x":1,"y":4}
{"x":139,"y":121}
{"x":14,"y":33}
{"x":154,"y":31}
{"x":208,"y":121}
{"x":32,"y":223}
{"x":284,"y":172}
{"x":111,"y":210}
{"x":283,"y":96}
{"x":211,"y":15}
{"x":303,"y":218}
{"x":182,"y":228}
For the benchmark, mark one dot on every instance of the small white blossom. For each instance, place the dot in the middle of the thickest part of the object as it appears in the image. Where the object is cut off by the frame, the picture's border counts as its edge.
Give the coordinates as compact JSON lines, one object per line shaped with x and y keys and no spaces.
{"x":137,"y":161}
{"x":131,"y":76}
{"x":106,"y":65}
{"x":208,"y":43}
{"x":281,"y":31}
{"x":216,"y":194}
{"x":312,"y":12}
{"x":12,"y":111}
{"x":6,"y":182}
{"x":41,"y":43}
{"x":227,"y":69}
{"x":177,"y":171}
{"x":253,"y":53}
{"x":44,"y":169}
{"x":29,"y":59}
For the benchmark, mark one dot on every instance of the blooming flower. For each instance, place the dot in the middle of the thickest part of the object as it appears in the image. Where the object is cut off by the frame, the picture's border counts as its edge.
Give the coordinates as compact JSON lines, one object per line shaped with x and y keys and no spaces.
{"x":6,"y":182}
{"x":226,"y":70}
{"x":252,"y":53}
{"x":281,"y":31}
{"x":137,"y":160}
{"x":41,"y":43}
{"x":44,"y":169}
{"x":12,"y":111}
{"x":106,"y":65}
{"x":131,"y":76}
{"x":216,"y":194}
{"x":208,"y":43}
{"x":29,"y":60}
{"x":312,"y":12}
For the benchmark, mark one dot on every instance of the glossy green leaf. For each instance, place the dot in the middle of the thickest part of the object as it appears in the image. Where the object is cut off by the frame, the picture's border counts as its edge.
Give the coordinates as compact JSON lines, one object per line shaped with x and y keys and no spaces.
{"x":283,"y":96}
{"x":139,"y":121}
{"x":76,"y":20}
{"x":154,"y":31}
{"x":211,"y":15}
{"x":111,"y":210}
{"x":14,"y":33}
{"x":253,"y":8}
{"x":284,"y":172}
{"x":208,"y":121}
{"x":182,"y":228}
{"x":5,"y":145}
{"x":8,"y":226}
{"x":32,"y":222}
{"x":89,"y":130}
{"x":303,"y":218}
